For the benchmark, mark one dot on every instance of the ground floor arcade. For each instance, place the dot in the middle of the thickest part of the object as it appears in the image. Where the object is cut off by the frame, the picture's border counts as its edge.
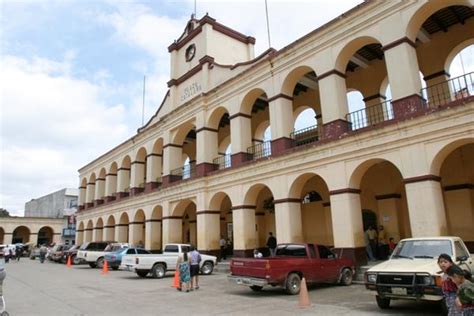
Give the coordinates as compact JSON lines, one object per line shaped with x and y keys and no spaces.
{"x":35,"y":230}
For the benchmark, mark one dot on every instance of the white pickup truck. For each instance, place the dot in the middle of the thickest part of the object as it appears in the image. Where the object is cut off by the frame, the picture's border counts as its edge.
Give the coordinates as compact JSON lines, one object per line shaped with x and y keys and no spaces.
{"x":93,"y":252}
{"x":159,"y":264}
{"x":412,"y":272}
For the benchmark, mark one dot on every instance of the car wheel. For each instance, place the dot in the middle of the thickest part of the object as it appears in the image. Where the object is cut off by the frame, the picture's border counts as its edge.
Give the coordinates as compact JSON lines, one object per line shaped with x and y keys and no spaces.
{"x":346,"y":276}
{"x":115,"y":268}
{"x":100,"y":263}
{"x":142,"y":273}
{"x":256,"y":288}
{"x":207,"y":268}
{"x":383,"y":302}
{"x":75,"y":260}
{"x":158,"y":271}
{"x":92,"y":264}
{"x":293,"y":284}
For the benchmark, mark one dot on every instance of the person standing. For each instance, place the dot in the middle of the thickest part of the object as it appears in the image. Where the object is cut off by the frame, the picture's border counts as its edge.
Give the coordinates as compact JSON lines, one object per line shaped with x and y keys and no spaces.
{"x":223,"y":245}
{"x":272,"y":244}
{"x":182,"y":265}
{"x":382,"y":243}
{"x":19,"y":253}
{"x":43,"y":251}
{"x":368,"y":248}
{"x":372,"y":236}
{"x":195,"y":260}
{"x":465,"y":293}
{"x":448,"y":287}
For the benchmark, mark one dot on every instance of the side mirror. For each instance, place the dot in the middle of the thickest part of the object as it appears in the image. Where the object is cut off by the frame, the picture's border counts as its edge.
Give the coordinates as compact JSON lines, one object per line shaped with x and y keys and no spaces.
{"x":461,"y":258}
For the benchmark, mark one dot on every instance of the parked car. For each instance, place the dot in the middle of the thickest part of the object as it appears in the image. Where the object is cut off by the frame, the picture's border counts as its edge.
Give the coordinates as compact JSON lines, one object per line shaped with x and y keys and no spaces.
{"x":93,"y":252}
{"x":292,"y":262}
{"x":114,"y":258}
{"x":58,"y":251}
{"x":159,"y":264}
{"x":412,"y":272}
{"x":71,"y":252}
{"x":34,"y":253}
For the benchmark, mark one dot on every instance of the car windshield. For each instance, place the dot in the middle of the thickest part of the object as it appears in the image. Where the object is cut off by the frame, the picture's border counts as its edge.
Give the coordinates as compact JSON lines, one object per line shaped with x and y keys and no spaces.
{"x":84,"y":246}
{"x":422,"y":249}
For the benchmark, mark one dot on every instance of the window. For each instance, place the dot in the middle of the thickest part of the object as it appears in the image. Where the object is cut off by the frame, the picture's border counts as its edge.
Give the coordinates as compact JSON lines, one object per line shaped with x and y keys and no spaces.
{"x":143,"y":252}
{"x":291,"y":250}
{"x":312,"y":251}
{"x":130,"y":251}
{"x":460,"y":251}
{"x":185,"y":248}
{"x":171,"y":248}
{"x":325,"y":253}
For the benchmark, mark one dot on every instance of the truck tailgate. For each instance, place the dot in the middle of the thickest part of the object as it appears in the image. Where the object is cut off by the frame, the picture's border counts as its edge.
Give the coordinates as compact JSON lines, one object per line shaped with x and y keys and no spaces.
{"x":249,"y":267}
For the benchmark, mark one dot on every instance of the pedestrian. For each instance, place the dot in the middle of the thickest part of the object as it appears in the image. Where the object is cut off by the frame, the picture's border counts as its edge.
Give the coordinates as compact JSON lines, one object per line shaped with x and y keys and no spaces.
{"x":195,"y":260}
{"x":382,"y":245}
{"x":271,"y":244}
{"x":448,"y":287}
{"x":223,"y":245}
{"x":465,"y":293}
{"x":43,"y":251}
{"x":257,"y":254}
{"x":12,"y":253}
{"x":19,"y":253}
{"x":368,"y":248}
{"x":3,"y":274}
{"x":372,"y":236}
{"x":182,"y":265}
{"x":391,"y":245}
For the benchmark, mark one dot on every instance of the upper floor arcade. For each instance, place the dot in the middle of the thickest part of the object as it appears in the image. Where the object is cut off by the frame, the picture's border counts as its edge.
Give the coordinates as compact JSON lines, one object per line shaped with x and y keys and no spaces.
{"x":399,"y":63}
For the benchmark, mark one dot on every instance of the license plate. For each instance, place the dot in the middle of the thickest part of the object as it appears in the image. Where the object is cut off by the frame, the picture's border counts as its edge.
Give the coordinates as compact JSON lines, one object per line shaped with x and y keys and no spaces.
{"x":128,"y":268}
{"x":399,"y":291}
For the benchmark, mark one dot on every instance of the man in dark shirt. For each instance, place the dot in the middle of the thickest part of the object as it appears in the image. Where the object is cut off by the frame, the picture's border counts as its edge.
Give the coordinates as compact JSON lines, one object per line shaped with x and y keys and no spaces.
{"x":272,"y":244}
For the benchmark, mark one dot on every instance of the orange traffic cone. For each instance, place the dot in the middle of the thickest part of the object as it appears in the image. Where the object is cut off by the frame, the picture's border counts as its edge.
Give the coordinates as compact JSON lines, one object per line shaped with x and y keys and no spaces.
{"x":303,"y":297}
{"x":69,"y":263}
{"x":176,"y":280}
{"x":105,"y":268}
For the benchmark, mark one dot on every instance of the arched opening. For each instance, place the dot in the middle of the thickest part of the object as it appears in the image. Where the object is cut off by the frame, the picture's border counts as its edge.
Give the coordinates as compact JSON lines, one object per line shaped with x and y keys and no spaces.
{"x":45,"y":235}
{"x":90,"y":193}
{"x":138,"y":175}
{"x":442,"y":30}
{"x":184,"y":153}
{"x":21,"y":234}
{"x":88,"y":231}
{"x":138,"y":230}
{"x":155,"y":171}
{"x":315,"y":209}
{"x":383,"y":204}
{"x":109,"y":229}
{"x":189,"y":234}
{"x":123,"y":175}
{"x":220,"y":122}
{"x":121,"y":229}
{"x":457,"y":181}
{"x":100,"y":187}
{"x":221,"y":203}
{"x":99,"y":230}
{"x":156,"y":228}
{"x":111,"y":182}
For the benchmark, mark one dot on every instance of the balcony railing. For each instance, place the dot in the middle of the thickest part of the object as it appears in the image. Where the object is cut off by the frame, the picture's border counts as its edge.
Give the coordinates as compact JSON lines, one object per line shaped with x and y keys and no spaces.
{"x":222,"y":162}
{"x":445,"y":92}
{"x":260,"y":150}
{"x":306,"y":135}
{"x":371,"y":115}
{"x":185,"y":172}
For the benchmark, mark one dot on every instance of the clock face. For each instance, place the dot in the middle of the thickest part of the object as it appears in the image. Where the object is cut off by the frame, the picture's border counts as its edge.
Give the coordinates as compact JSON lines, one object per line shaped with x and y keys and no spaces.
{"x":190,"y":52}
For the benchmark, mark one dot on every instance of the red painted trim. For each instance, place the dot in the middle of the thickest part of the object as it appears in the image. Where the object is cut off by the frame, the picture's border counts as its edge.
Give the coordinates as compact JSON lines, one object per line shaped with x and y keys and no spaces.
{"x":399,"y":42}
{"x":281,"y":95}
{"x":344,"y":191}
{"x":428,"y":177}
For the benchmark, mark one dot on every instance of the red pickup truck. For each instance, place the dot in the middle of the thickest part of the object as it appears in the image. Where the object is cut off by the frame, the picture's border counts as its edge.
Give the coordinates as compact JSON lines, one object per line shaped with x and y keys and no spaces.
{"x":316,"y":263}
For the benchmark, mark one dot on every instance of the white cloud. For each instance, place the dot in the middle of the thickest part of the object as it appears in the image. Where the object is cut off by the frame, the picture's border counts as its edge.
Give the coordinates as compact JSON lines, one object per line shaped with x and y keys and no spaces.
{"x":52,"y":124}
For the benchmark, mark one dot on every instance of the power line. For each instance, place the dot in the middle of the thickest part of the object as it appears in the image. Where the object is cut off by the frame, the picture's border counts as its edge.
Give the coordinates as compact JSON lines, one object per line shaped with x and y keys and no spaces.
{"x":268,"y":24}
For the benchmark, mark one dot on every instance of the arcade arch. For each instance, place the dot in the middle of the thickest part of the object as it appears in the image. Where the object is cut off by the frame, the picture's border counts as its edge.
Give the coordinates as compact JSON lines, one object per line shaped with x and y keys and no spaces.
{"x":21,"y":234}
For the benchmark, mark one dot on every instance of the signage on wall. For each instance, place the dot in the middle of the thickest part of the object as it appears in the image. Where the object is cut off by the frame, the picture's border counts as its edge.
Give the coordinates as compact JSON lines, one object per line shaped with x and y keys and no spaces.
{"x":190,"y":91}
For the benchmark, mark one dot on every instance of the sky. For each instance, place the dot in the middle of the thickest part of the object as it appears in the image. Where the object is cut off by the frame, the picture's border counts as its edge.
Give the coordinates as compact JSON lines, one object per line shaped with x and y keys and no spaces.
{"x":71,"y":75}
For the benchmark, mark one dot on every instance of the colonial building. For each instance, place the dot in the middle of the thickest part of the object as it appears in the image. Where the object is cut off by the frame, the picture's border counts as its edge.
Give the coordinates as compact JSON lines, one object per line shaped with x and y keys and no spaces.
{"x":201,"y":167}
{"x":35,"y":230}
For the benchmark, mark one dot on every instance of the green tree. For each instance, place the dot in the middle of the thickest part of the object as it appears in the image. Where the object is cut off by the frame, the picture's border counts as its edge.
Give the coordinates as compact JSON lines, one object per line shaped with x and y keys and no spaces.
{"x":4,"y":212}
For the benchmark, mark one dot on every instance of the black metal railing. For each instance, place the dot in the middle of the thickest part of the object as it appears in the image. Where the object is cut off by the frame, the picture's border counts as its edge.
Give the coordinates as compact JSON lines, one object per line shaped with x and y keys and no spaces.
{"x":260,"y":150}
{"x":445,"y":92}
{"x":306,"y":135}
{"x":222,"y":162}
{"x":185,"y":172}
{"x":371,"y":115}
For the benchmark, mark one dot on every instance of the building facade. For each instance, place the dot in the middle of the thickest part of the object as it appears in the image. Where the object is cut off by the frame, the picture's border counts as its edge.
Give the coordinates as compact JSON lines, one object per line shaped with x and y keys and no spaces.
{"x":201,"y":168}
{"x":34,"y":230}
{"x":54,"y":205}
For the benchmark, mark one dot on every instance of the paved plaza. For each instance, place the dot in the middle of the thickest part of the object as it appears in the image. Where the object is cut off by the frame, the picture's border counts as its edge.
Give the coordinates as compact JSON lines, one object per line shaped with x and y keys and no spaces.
{"x":32,"y":288}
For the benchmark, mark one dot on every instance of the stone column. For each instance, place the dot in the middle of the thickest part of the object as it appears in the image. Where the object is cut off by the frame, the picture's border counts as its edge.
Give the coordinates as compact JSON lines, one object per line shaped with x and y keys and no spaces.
{"x":245,"y":236}
{"x":99,"y":191}
{"x":207,"y":146}
{"x":438,"y":91}
{"x":172,"y":160}
{"x":153,"y":172}
{"x":123,"y":185}
{"x":289,"y":227}
{"x":153,"y":234}
{"x":208,"y":229}
{"x":88,"y":234}
{"x":425,"y":206}
{"x":90,"y":194}
{"x":135,"y":232}
{"x":281,"y":121}
{"x":388,"y":212}
{"x":82,"y":198}
{"x":110,"y":186}
{"x":121,"y":232}
{"x":193,"y":232}
{"x":137,"y":178}
{"x":328,"y":218}
{"x":172,"y":229}
{"x":241,"y":137}
{"x":348,"y":231}
{"x":97,"y":234}
{"x":332,"y":89}
{"x":79,"y":237}
{"x":109,"y":233}
{"x":404,"y":78}
{"x":459,"y":200}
